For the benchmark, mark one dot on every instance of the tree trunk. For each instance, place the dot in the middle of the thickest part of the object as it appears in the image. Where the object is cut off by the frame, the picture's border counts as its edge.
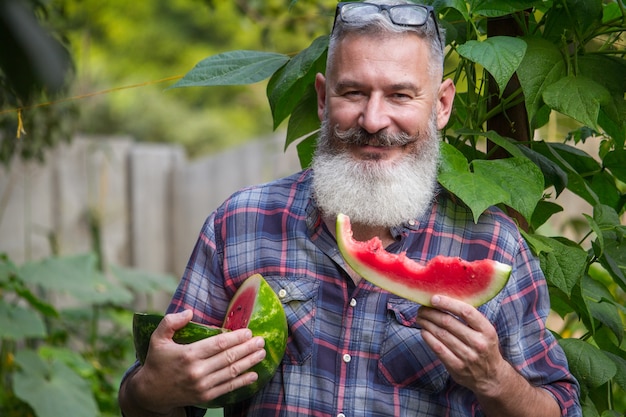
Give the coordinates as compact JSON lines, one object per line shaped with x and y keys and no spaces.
{"x":512,"y":122}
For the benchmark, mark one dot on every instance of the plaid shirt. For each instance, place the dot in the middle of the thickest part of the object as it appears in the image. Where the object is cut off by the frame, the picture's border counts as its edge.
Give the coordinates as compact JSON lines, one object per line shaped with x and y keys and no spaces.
{"x":356,"y":350}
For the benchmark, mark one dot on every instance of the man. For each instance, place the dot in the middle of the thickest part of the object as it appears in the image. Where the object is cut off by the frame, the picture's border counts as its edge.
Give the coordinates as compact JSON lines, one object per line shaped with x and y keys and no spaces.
{"x":354,"y":349}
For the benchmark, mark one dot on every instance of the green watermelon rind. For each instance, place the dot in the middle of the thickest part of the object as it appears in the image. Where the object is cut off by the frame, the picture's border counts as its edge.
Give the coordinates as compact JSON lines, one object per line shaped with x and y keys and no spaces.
{"x":269,"y":321}
{"x":385,"y":280}
{"x":144,"y":324}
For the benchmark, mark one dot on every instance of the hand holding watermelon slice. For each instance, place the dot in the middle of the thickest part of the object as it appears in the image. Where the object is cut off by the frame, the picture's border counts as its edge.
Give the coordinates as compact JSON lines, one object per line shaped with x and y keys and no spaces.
{"x":254,"y":306}
{"x":475,"y":282}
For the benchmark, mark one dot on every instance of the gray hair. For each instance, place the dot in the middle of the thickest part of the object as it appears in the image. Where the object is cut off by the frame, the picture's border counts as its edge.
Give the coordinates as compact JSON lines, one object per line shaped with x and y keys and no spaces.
{"x":379,"y":24}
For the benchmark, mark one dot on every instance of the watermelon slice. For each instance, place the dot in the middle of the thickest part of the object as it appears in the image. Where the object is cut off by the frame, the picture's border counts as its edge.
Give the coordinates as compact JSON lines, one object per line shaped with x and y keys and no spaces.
{"x":255,"y":306}
{"x":473,"y":282}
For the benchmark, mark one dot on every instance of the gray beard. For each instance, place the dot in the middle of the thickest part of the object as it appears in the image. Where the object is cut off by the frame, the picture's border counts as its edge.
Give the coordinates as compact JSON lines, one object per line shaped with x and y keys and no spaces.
{"x":373,"y":192}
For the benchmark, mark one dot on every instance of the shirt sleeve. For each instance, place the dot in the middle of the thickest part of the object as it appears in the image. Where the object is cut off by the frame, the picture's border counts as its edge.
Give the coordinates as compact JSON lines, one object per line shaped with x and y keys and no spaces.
{"x":202,"y":288}
{"x":526,"y":342}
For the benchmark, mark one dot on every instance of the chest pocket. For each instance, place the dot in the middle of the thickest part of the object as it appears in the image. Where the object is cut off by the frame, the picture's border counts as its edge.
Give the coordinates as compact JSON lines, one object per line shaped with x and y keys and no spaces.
{"x":298,"y":296}
{"x":405,"y":360}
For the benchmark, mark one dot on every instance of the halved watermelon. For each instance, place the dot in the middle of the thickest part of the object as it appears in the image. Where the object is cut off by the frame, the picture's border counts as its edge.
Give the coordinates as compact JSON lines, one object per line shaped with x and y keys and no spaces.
{"x":255,"y":306}
{"x":473,"y":282}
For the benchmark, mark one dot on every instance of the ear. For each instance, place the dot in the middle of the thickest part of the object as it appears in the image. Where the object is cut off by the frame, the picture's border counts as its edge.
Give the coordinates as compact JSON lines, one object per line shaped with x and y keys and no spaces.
{"x":320,"y":88}
{"x":445,"y":100}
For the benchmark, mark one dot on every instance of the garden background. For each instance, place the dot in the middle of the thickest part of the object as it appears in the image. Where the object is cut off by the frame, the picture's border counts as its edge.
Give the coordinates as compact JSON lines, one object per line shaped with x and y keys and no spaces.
{"x":98,"y":153}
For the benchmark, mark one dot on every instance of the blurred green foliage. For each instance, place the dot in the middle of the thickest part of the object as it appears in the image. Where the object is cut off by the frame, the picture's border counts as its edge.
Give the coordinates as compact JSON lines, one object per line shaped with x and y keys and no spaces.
{"x":119,"y":43}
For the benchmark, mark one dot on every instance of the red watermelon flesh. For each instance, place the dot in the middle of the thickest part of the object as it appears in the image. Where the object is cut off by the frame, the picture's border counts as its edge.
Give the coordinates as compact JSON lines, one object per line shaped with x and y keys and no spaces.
{"x":473,"y":282}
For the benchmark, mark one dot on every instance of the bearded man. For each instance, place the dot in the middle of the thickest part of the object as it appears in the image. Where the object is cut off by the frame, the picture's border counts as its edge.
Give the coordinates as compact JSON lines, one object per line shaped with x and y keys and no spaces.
{"x":353,"y":348}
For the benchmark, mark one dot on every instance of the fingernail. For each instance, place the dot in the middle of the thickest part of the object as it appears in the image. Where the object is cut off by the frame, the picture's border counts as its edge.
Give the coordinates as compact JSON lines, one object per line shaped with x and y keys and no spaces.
{"x":260,"y":342}
{"x":435,"y":300}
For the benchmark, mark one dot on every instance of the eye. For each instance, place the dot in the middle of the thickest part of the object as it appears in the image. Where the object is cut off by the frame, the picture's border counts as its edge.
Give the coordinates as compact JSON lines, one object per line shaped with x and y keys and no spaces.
{"x":352,"y":93}
{"x":401,"y":96}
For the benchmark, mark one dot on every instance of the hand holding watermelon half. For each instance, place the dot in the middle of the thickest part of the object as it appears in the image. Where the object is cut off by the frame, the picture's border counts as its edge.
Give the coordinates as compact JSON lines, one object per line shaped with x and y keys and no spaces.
{"x":255,"y":306}
{"x":473,"y":282}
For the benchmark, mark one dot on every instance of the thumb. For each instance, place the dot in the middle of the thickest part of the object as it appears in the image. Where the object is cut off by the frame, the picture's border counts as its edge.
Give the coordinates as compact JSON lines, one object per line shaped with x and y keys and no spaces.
{"x":171,"y":323}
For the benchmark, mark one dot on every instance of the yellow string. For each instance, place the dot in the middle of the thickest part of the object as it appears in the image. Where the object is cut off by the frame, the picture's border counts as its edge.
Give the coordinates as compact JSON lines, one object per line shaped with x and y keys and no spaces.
{"x":20,"y":124}
{"x":19,"y":110}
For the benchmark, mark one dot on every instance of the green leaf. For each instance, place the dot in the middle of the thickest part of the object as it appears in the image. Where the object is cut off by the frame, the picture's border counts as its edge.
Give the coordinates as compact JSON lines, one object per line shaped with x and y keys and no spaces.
{"x":52,"y":389}
{"x":606,"y":217}
{"x":605,"y":70}
{"x":602,"y":306}
{"x":565,"y":156}
{"x":75,"y":275}
{"x":604,"y":186}
{"x":598,"y":244}
{"x":590,"y":365}
{"x":615,"y":161}
{"x":458,"y":5}
{"x":17,"y":322}
{"x":564,"y":265}
{"x":519,"y":177}
{"x":233,"y":68}
{"x":614,"y":258}
{"x":305,"y":150}
{"x":478,"y":192}
{"x":542,"y":65}
{"x":620,"y":363}
{"x":577,"y":97}
{"x":304,"y":119}
{"x":452,"y":160}
{"x":543,"y":212}
{"x":499,"y":55}
{"x":536,"y":243}
{"x":577,"y":159}
{"x":7,"y":269}
{"x":144,"y":281}
{"x":289,"y":83}
{"x":490,"y":8}
{"x":71,"y":358}
{"x":584,"y":14}
{"x":553,"y":174}
{"x":18,"y":286}
{"x":507,"y":144}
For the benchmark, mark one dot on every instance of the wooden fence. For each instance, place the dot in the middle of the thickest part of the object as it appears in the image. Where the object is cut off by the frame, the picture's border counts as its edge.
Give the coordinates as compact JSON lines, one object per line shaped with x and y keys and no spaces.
{"x":149,"y":198}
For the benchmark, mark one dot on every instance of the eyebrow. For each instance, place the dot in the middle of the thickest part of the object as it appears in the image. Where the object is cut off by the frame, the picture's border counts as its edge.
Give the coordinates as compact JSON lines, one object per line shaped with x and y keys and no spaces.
{"x":347,"y":84}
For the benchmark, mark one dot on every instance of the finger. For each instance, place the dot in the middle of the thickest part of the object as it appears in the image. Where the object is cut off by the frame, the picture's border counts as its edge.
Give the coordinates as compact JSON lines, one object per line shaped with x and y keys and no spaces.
{"x":239,"y":358}
{"x":465,"y":312}
{"x":217,"y":344}
{"x":172,"y":322}
{"x":444,"y":353}
{"x":452,"y":337}
{"x":216,"y":391}
{"x":442,"y":322}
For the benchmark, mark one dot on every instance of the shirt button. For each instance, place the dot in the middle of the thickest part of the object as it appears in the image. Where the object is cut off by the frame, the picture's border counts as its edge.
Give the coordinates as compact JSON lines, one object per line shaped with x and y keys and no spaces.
{"x":282,"y":293}
{"x":341,"y":415}
{"x":412,"y":222}
{"x":347,"y":358}
{"x":353,"y":303}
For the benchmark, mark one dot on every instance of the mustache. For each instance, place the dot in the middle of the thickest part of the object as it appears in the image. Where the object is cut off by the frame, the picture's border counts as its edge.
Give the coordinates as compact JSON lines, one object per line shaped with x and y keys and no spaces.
{"x":359,"y":136}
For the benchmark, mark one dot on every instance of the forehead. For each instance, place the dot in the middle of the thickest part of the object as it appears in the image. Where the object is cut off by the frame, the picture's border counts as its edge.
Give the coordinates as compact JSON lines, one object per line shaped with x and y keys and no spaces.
{"x":403,"y":54}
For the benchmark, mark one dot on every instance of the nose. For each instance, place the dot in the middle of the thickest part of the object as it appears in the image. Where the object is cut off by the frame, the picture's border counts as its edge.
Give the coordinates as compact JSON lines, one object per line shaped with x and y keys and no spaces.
{"x":374,"y":116}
